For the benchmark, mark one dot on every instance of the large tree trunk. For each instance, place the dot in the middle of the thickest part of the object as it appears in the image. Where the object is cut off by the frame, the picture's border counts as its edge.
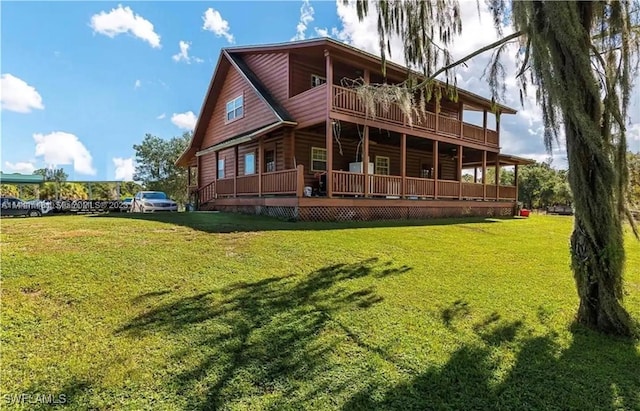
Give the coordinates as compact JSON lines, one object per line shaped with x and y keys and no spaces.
{"x":597,"y":242}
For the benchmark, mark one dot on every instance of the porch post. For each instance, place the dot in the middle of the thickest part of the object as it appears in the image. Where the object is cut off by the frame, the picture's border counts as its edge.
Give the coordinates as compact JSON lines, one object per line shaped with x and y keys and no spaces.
{"x":484,"y":175}
{"x":292,"y":145}
{"x":484,"y":125}
{"x":497,"y":176}
{"x":403,"y":162}
{"x":215,"y":155}
{"x":365,"y":160}
{"x":460,"y":172}
{"x":235,"y":171}
{"x":515,"y":179}
{"x":260,"y":161}
{"x":475,"y":175}
{"x":435,"y":168}
{"x":460,"y":117}
{"x":329,"y":126}
{"x":498,"y":127}
{"x":437,"y":114}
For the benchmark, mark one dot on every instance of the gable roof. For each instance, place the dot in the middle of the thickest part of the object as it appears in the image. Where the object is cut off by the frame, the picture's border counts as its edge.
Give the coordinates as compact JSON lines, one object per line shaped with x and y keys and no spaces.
{"x":355,"y":52}
{"x":227,"y":60}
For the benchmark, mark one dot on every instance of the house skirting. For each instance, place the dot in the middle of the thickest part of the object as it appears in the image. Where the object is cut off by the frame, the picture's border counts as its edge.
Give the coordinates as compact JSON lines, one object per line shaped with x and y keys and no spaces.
{"x":360,"y":209}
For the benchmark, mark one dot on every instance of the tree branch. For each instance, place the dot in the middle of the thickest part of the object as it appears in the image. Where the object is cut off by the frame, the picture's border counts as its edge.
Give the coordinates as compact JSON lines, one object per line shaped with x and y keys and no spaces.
{"x":526,"y":59}
{"x":470,"y":56}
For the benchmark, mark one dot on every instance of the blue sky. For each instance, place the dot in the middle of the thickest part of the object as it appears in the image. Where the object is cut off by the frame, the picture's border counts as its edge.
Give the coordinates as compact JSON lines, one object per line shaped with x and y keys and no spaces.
{"x":84,"y":81}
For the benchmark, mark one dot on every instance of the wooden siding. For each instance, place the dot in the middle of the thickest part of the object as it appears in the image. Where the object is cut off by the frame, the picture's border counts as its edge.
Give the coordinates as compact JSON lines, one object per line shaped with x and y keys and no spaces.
{"x":271,"y":69}
{"x":310,"y":107}
{"x":301,"y":71}
{"x":207,"y":170}
{"x":229,"y":162}
{"x":270,"y":143}
{"x":208,"y":162}
{"x":415,"y":158}
{"x":256,"y":112}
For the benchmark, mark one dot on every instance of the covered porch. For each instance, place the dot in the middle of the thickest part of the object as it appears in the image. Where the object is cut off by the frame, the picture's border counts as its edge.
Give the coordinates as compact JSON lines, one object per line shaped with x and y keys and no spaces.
{"x":401,"y":167}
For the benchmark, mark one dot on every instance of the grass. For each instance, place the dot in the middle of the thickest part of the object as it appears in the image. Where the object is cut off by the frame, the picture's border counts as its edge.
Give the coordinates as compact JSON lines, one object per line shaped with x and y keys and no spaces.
{"x":212,"y":311}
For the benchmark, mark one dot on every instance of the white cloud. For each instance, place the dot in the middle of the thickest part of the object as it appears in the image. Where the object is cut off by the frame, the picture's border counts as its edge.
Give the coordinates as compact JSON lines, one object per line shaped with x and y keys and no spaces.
{"x":322,"y":32}
{"x":186,"y":121}
{"x":633,"y":132}
{"x":122,"y":20}
{"x":214,"y":22}
{"x":60,"y":148}
{"x":137,"y":85}
{"x":183,"y":55}
{"x":306,"y":17}
{"x":23,"y":167}
{"x":161,"y":116}
{"x":16,"y":95}
{"x":184,"y":52}
{"x":125,"y":168}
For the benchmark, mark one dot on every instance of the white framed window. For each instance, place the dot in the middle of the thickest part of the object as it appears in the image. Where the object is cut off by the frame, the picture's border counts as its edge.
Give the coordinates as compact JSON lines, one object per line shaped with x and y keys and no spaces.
{"x":317,"y":80}
{"x":382,"y":165}
{"x":249,"y":163}
{"x":235,"y":108}
{"x":221,"y":168}
{"x":318,"y":159}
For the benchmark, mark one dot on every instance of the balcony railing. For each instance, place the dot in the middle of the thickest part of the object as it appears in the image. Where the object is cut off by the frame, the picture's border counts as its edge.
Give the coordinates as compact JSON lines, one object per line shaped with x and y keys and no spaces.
{"x":346,"y":100}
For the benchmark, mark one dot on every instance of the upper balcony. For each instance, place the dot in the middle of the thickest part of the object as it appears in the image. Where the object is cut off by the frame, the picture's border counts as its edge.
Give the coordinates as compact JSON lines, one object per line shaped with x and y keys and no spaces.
{"x":308,"y":95}
{"x":346,"y":100}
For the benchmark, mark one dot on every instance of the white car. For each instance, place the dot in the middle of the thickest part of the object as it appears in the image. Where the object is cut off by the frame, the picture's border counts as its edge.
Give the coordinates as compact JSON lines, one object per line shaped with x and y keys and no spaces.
{"x":151,"y":201}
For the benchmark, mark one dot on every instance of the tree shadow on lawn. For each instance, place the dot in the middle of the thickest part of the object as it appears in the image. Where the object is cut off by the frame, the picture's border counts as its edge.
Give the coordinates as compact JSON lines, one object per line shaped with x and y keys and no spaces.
{"x":232,"y":222}
{"x":594,"y":372}
{"x":272,"y":344}
{"x":258,"y":341}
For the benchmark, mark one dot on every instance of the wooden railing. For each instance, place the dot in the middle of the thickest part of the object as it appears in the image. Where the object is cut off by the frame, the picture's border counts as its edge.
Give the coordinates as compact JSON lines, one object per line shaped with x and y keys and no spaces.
{"x":448,"y":189}
{"x":247,"y":185}
{"x":491,"y":191}
{"x":418,"y":187}
{"x":291,"y":182}
{"x":207,"y":193}
{"x":472,"y":190}
{"x":473,"y":133}
{"x":346,"y":100}
{"x":507,"y":192}
{"x":492,"y":137}
{"x":224,"y":187}
{"x":381,"y":185}
{"x":280,"y":182}
{"x":449,"y":125}
{"x":348,"y":183}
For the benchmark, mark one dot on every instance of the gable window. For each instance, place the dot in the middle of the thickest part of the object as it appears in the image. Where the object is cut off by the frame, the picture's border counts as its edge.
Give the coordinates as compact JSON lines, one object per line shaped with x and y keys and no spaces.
{"x":317,"y":80}
{"x":221,"y":168}
{"x":235,"y":108}
{"x":249,"y":163}
{"x":269,"y":161}
{"x":382,"y":165}
{"x":318,"y":159}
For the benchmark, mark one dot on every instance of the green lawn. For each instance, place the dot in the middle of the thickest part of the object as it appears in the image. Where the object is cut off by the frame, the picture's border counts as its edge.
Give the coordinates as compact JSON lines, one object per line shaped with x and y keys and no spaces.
{"x":211,"y":311}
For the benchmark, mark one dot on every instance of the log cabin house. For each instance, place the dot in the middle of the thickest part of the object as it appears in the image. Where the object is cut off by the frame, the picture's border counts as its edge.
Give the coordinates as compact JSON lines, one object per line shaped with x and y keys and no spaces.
{"x":279,"y":134}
